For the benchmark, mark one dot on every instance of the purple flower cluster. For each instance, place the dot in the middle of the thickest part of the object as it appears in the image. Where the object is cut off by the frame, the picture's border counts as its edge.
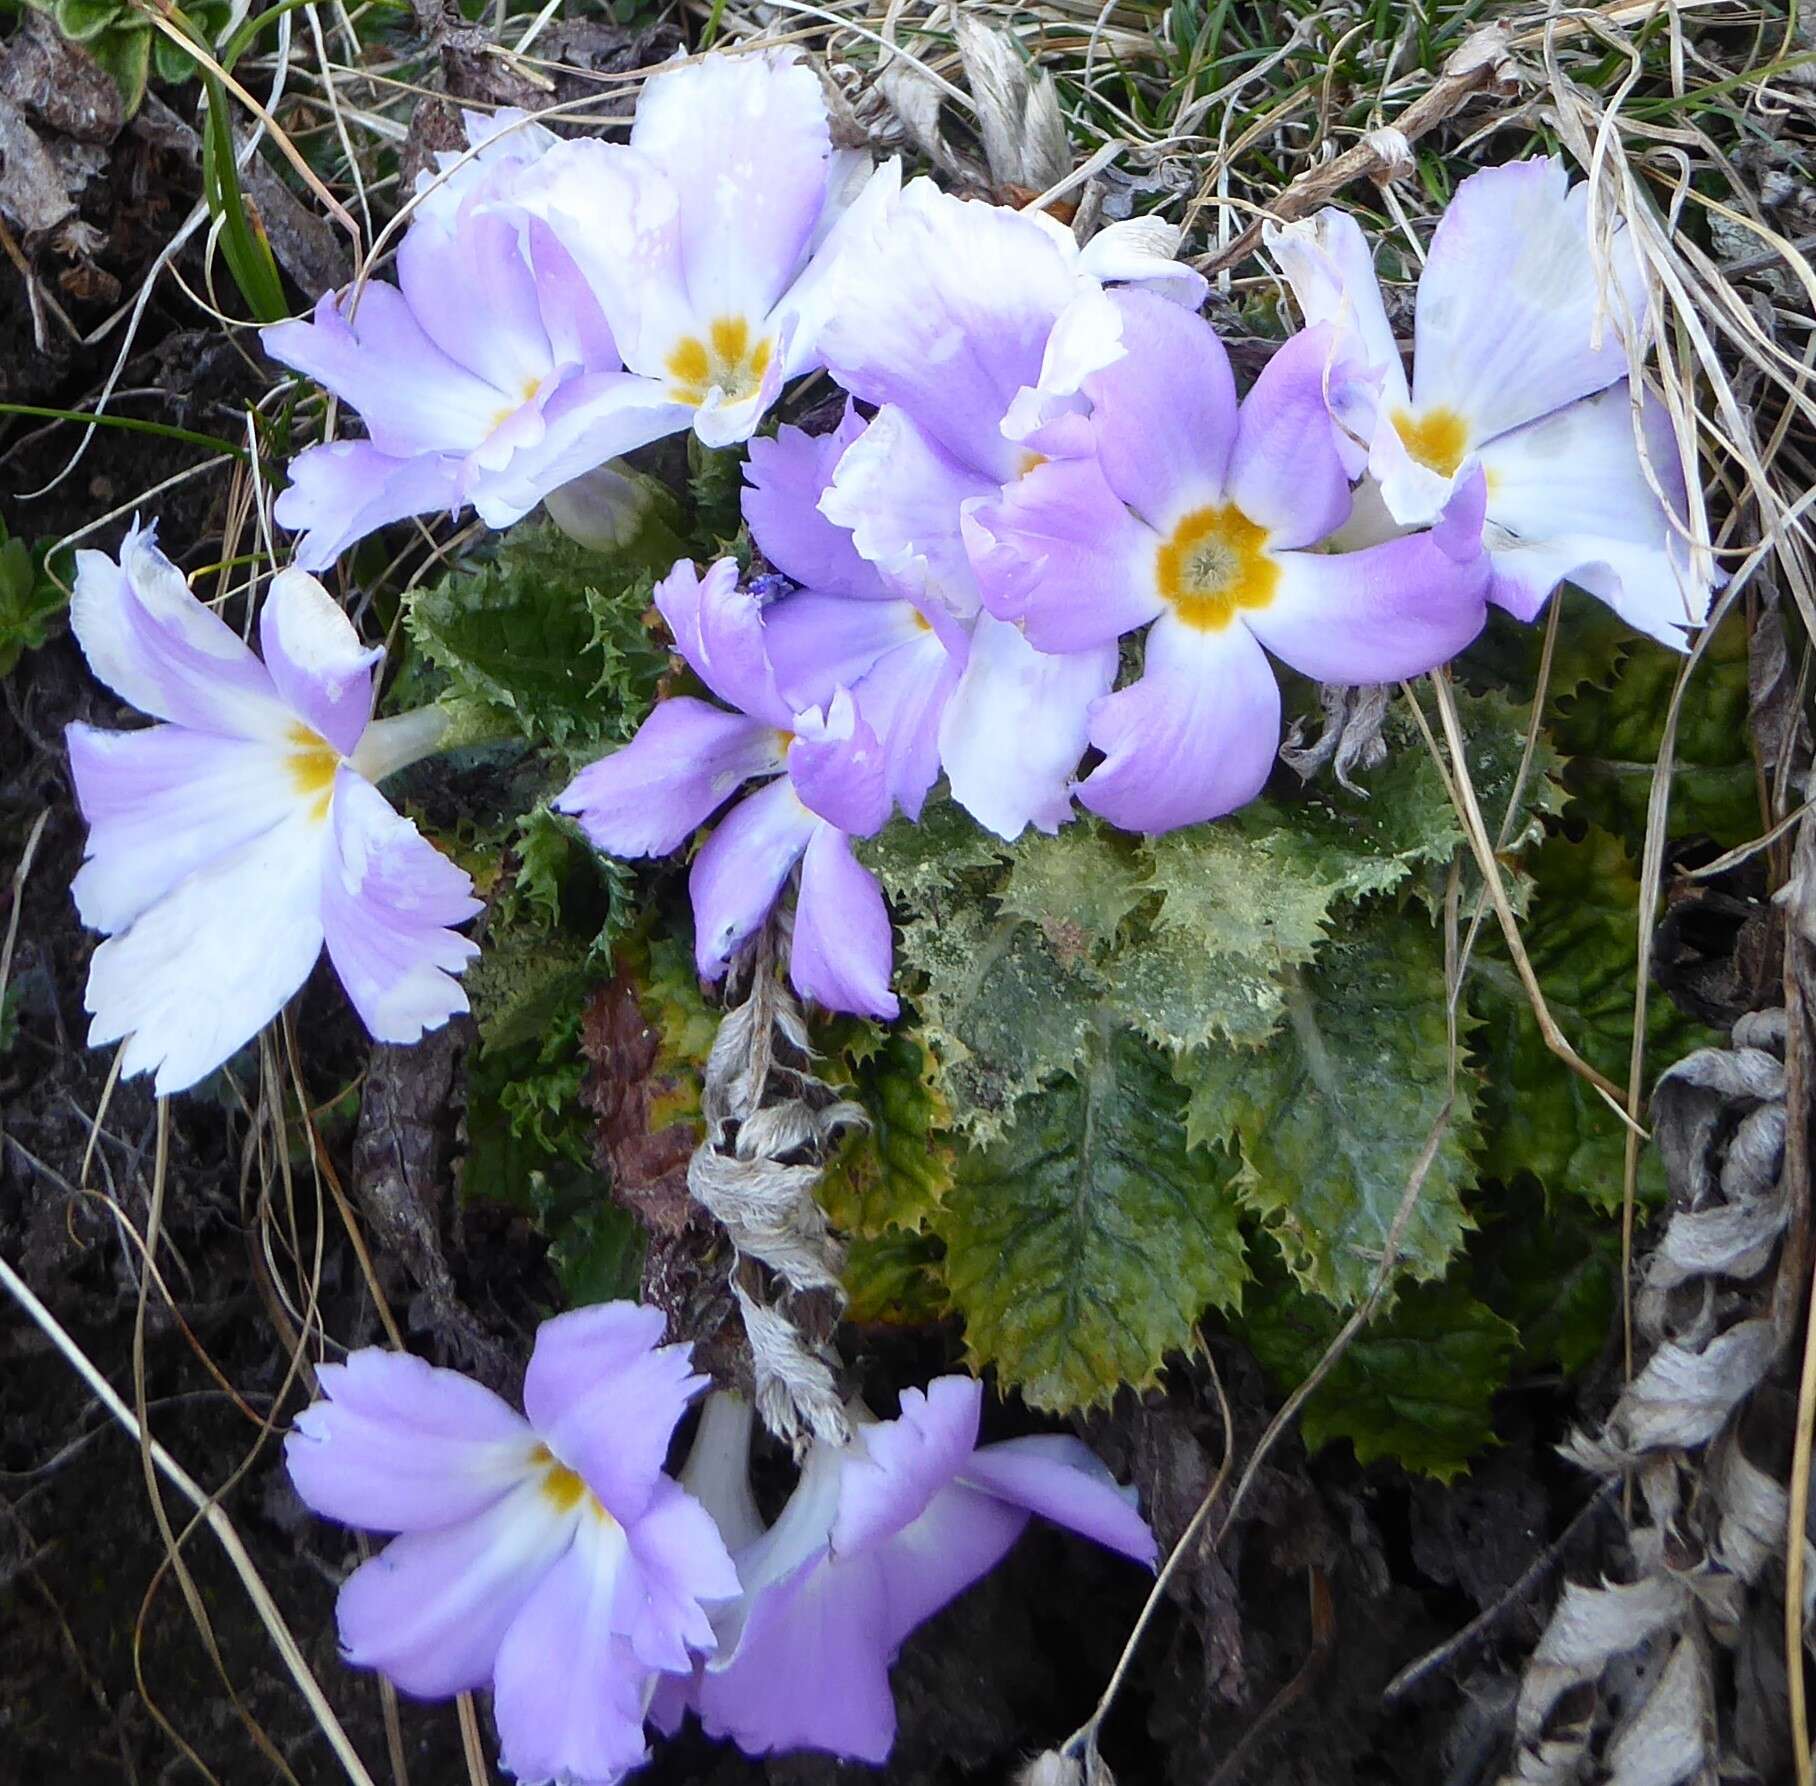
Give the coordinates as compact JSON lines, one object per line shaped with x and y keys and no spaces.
{"x":1049,"y":554}
{"x":548,"y":1556}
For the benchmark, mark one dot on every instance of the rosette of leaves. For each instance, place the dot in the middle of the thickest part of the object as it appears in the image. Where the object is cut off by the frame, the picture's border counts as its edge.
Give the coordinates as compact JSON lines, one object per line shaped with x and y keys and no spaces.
{"x":122,"y":38}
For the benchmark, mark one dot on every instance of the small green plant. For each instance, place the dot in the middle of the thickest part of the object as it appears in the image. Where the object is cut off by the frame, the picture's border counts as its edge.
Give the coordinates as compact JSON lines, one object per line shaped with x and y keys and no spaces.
{"x":30,"y":600}
{"x":123,"y":39}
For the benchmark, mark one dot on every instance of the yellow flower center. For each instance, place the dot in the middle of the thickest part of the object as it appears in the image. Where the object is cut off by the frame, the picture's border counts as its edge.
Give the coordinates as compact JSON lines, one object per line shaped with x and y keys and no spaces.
{"x":505,"y":411}
{"x":1027,"y":460}
{"x":1438,"y":439}
{"x":312,"y":763}
{"x":565,"y":1489}
{"x":726,"y":358}
{"x":1214,"y":566}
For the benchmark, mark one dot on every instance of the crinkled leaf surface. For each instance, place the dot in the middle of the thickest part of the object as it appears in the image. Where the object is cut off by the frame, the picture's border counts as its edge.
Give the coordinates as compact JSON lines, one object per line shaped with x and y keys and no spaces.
{"x":1613,"y":731}
{"x":1416,"y":1384}
{"x":1084,"y":1243}
{"x":1332,"y":1116}
{"x":892,"y":1174}
{"x":896,"y":1279}
{"x":1581,"y":938}
{"x":556,"y":637}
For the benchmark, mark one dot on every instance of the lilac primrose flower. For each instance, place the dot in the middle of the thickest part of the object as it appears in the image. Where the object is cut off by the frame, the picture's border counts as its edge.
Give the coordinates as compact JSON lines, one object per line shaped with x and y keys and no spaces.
{"x":848,"y":624}
{"x":228,"y":844}
{"x":825,"y":784}
{"x":710,"y":239}
{"x":876,"y":1538}
{"x":486,"y":376}
{"x":1201,"y":517}
{"x":1519,"y":367}
{"x":945,"y":319}
{"x":549,"y":1557}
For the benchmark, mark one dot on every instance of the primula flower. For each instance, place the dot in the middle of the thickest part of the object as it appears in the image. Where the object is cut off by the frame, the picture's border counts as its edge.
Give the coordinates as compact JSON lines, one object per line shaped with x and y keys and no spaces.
{"x":1201,"y":516}
{"x":228,"y":844}
{"x":848,"y":624}
{"x":876,"y":1538}
{"x":1519,"y":368}
{"x":710,"y":238}
{"x":826,"y":784}
{"x":485,"y":376}
{"x":944,"y":319}
{"x":549,"y":1558}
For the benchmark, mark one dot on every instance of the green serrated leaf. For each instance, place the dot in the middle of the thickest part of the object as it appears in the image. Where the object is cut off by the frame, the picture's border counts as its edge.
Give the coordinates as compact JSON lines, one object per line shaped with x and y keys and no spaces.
{"x":1507,"y":652}
{"x":29,"y":601}
{"x":1332,"y":1116}
{"x":1580,"y":935}
{"x":1552,"y":1270}
{"x":895,"y":1279}
{"x":125,"y":54}
{"x":521,"y":981}
{"x":552,"y":635}
{"x":596,"y":1247}
{"x":1078,"y":886}
{"x":1613,"y":736}
{"x":1416,"y":1385}
{"x":1001,"y":1011}
{"x":918,"y":862}
{"x":1083,"y":1245}
{"x":894,"y":1173}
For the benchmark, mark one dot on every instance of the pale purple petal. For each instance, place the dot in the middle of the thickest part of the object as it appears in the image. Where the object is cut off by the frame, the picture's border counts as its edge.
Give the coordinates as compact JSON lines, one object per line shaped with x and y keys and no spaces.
{"x":739,"y":872}
{"x":189,"y":988}
{"x":1287,"y":472}
{"x":1194,"y":738}
{"x":1062,"y":1479}
{"x":901,"y":493}
{"x":395,"y":1445}
{"x":813,"y":1669}
{"x":946,"y":315}
{"x":1015,"y":727}
{"x":411,"y":396}
{"x":784,"y":479}
{"x":1060,"y":553}
{"x":432,"y":1608}
{"x":341,"y":491}
{"x":744,"y":142}
{"x":570,"y":1692}
{"x":687,"y":759}
{"x":1141,"y":251}
{"x":605,"y":1394}
{"x":1387,"y":611}
{"x":1331,"y":269}
{"x":1570,"y":498}
{"x":1164,"y":415}
{"x":156,"y":646}
{"x":678,"y":1565}
{"x":470,"y":288}
{"x":388,"y":897}
{"x":816,"y":642}
{"x":837,"y":766}
{"x":842,"y":953}
{"x":316,"y":660}
{"x":898,"y":1466}
{"x":162,"y":802}
{"x":957,"y":1541}
{"x":578,"y":334}
{"x":1514,"y":319}
{"x":618,"y":215}
{"x":718,"y":628}
{"x":904,"y":698}
{"x":582,"y":422}
{"x":860,"y":195}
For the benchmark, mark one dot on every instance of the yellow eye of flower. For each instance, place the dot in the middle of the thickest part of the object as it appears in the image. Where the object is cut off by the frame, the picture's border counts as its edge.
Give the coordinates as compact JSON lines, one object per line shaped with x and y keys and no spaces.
{"x":1438,"y":439}
{"x":1214,"y":566}
{"x":312,"y":763}
{"x":727,"y":358}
